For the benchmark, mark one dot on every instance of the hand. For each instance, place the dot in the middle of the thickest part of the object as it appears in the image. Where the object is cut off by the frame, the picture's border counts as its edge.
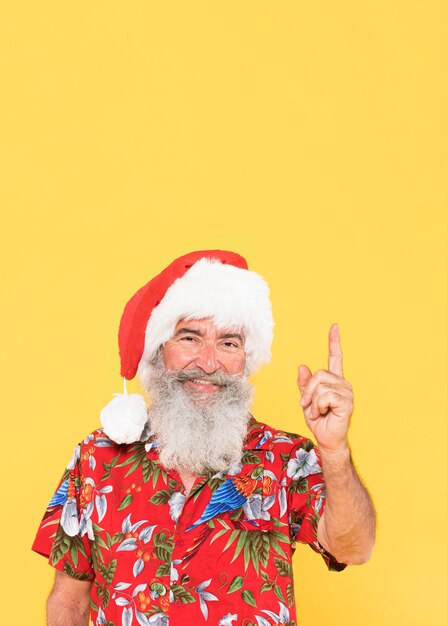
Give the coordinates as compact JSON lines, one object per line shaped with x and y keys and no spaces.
{"x":327,"y":398}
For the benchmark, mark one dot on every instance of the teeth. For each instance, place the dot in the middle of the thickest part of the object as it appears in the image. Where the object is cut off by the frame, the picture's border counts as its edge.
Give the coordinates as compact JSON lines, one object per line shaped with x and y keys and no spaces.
{"x":202,"y":382}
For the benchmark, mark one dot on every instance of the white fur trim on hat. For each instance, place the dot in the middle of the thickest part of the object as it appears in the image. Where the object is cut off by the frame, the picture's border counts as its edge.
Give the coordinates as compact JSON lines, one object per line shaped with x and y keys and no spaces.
{"x":233,"y":297}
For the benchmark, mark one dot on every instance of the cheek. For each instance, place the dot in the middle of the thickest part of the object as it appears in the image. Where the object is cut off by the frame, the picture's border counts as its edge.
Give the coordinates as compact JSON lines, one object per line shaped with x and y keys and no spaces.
{"x":236,"y":364}
{"x":173,"y":358}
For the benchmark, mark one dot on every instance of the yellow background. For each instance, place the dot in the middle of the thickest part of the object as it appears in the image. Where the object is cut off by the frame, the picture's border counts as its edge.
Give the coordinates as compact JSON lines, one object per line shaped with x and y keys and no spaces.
{"x":311,"y":138}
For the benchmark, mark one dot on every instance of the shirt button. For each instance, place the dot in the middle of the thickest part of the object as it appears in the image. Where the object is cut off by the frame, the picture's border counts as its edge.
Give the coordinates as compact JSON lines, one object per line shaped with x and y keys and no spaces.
{"x":179,"y":542}
{"x":178,"y":603}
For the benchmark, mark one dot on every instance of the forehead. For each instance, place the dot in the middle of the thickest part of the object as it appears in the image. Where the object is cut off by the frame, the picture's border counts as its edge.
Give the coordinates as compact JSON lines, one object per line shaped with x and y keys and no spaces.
{"x":207,"y":324}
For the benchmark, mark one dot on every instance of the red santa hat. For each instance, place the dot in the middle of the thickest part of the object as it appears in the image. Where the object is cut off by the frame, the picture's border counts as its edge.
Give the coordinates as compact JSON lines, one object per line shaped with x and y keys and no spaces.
{"x":207,"y":283}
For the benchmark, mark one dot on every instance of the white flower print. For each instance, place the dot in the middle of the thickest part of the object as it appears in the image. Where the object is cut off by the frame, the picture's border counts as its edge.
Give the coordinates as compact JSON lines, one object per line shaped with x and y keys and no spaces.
{"x":303,"y":464}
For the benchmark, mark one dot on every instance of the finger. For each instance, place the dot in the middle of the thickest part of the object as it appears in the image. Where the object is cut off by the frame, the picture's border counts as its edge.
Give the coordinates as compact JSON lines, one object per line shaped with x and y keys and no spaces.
{"x":342,"y":397}
{"x":322,"y":377}
{"x":304,"y":376}
{"x":328,"y":400}
{"x":318,"y":390}
{"x":335,"y":359}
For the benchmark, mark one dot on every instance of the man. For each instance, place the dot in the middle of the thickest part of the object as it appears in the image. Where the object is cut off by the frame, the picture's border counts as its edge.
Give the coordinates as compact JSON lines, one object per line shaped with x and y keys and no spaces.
{"x":187,"y":513}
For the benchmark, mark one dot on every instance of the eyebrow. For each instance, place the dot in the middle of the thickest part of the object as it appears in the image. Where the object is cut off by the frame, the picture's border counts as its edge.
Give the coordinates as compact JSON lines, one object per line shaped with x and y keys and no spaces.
{"x":231,"y":336}
{"x":194,"y":331}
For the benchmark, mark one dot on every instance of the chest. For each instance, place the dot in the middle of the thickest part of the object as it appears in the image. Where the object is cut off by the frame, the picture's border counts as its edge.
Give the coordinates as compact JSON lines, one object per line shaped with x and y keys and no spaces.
{"x":188,"y":481}
{"x":183,"y":548}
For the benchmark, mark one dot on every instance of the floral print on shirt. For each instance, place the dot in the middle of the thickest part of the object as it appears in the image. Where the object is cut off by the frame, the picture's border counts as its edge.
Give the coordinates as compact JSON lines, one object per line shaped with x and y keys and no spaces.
{"x":222,"y":555}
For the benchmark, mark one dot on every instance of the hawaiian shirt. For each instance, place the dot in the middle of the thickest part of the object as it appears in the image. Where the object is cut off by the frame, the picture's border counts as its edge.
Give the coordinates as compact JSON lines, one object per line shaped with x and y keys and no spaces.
{"x":220,"y":556}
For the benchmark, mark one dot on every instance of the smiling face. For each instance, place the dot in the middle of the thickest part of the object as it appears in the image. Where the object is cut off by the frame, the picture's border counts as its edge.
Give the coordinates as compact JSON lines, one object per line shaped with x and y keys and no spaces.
{"x":200,"y":345}
{"x":199,"y":397}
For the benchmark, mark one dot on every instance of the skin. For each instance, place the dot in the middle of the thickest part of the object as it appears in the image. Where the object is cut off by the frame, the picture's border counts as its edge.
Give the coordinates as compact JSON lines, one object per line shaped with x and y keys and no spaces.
{"x":347,"y":526}
{"x":200,"y":344}
{"x":69,"y":602}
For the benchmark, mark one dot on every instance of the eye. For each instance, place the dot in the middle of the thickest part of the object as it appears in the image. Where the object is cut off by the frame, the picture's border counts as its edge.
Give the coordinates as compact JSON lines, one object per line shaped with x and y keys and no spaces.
{"x":231,"y":345}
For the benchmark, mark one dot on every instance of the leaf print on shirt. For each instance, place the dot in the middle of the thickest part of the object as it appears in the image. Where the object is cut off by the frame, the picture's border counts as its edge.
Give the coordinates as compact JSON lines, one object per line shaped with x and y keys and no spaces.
{"x":318,"y":492}
{"x":64,"y":544}
{"x":256,"y":545}
{"x":269,"y":437}
{"x":141,"y":601}
{"x":150,"y":468}
{"x":134,"y":540}
{"x":176,"y":502}
{"x":89,"y":448}
{"x":282,"y":618}
{"x":204,"y":597}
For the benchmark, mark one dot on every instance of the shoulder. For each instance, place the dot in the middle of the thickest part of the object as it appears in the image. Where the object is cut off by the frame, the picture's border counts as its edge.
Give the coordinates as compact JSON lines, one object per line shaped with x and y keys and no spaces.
{"x":288,"y":454}
{"x":95,"y":440}
{"x":263,"y":436}
{"x":99,"y":439}
{"x":95,"y":446}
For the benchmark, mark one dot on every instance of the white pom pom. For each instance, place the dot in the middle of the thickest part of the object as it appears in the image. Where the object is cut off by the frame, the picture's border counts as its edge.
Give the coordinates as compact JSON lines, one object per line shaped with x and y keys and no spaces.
{"x":124,"y":417}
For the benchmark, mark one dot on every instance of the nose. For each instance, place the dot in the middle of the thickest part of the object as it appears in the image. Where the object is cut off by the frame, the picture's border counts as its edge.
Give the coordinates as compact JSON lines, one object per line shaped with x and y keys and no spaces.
{"x":206,"y":359}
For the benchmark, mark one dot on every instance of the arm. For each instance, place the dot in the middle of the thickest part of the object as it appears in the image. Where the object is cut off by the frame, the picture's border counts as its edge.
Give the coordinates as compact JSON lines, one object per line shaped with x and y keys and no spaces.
{"x":347,"y":527}
{"x":69,"y":602}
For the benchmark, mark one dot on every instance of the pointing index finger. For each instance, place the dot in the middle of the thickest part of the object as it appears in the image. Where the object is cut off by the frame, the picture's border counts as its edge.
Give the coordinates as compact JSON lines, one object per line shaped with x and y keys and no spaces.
{"x":335,"y":359}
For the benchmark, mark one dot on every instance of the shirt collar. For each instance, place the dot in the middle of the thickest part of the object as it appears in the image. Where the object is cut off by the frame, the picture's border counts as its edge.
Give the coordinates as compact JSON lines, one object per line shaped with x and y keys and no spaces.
{"x":255,"y":435}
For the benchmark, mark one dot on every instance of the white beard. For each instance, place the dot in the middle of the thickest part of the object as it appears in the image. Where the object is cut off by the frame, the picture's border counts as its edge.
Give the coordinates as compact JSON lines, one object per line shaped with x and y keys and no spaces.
{"x":196,"y":433}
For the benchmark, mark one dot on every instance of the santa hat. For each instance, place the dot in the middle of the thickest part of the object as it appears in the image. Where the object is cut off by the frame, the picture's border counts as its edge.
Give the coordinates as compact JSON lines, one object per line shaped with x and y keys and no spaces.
{"x":207,"y":283}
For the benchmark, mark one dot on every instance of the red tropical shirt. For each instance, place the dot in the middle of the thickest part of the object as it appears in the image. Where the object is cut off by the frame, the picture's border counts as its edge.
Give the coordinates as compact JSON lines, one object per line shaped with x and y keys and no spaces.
{"x":221,"y":556}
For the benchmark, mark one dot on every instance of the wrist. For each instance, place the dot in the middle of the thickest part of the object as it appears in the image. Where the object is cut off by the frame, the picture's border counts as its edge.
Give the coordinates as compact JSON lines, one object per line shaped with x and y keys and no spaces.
{"x":340,"y":454}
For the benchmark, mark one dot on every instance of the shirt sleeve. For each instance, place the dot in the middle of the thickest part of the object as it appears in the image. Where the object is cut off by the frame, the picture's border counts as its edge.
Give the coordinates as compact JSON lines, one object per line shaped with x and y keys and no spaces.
{"x":61,"y":536}
{"x":306,"y":492}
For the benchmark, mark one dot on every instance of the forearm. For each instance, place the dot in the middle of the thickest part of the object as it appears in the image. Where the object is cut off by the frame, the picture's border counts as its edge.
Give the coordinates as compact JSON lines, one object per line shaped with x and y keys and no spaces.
{"x":348,"y":526}
{"x":61,"y":613}
{"x":69,"y":602}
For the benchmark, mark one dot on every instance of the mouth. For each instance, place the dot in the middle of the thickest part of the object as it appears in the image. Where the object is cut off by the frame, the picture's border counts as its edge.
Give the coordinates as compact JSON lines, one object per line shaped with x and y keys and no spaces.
{"x":202,"y":385}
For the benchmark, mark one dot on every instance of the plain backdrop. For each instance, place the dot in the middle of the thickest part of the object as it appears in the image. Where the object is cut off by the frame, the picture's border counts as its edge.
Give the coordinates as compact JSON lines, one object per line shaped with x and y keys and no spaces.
{"x":309,"y":137}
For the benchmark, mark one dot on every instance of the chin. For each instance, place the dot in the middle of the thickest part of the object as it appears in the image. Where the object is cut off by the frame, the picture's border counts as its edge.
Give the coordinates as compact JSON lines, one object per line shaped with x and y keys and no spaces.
{"x":201,"y":397}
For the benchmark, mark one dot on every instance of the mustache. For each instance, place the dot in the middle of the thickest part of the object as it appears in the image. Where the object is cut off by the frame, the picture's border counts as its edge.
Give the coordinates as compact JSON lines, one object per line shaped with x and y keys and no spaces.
{"x":216,"y":378}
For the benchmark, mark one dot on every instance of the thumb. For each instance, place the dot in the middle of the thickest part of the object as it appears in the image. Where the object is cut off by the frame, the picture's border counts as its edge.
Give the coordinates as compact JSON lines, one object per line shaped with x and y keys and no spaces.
{"x":304,"y":375}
